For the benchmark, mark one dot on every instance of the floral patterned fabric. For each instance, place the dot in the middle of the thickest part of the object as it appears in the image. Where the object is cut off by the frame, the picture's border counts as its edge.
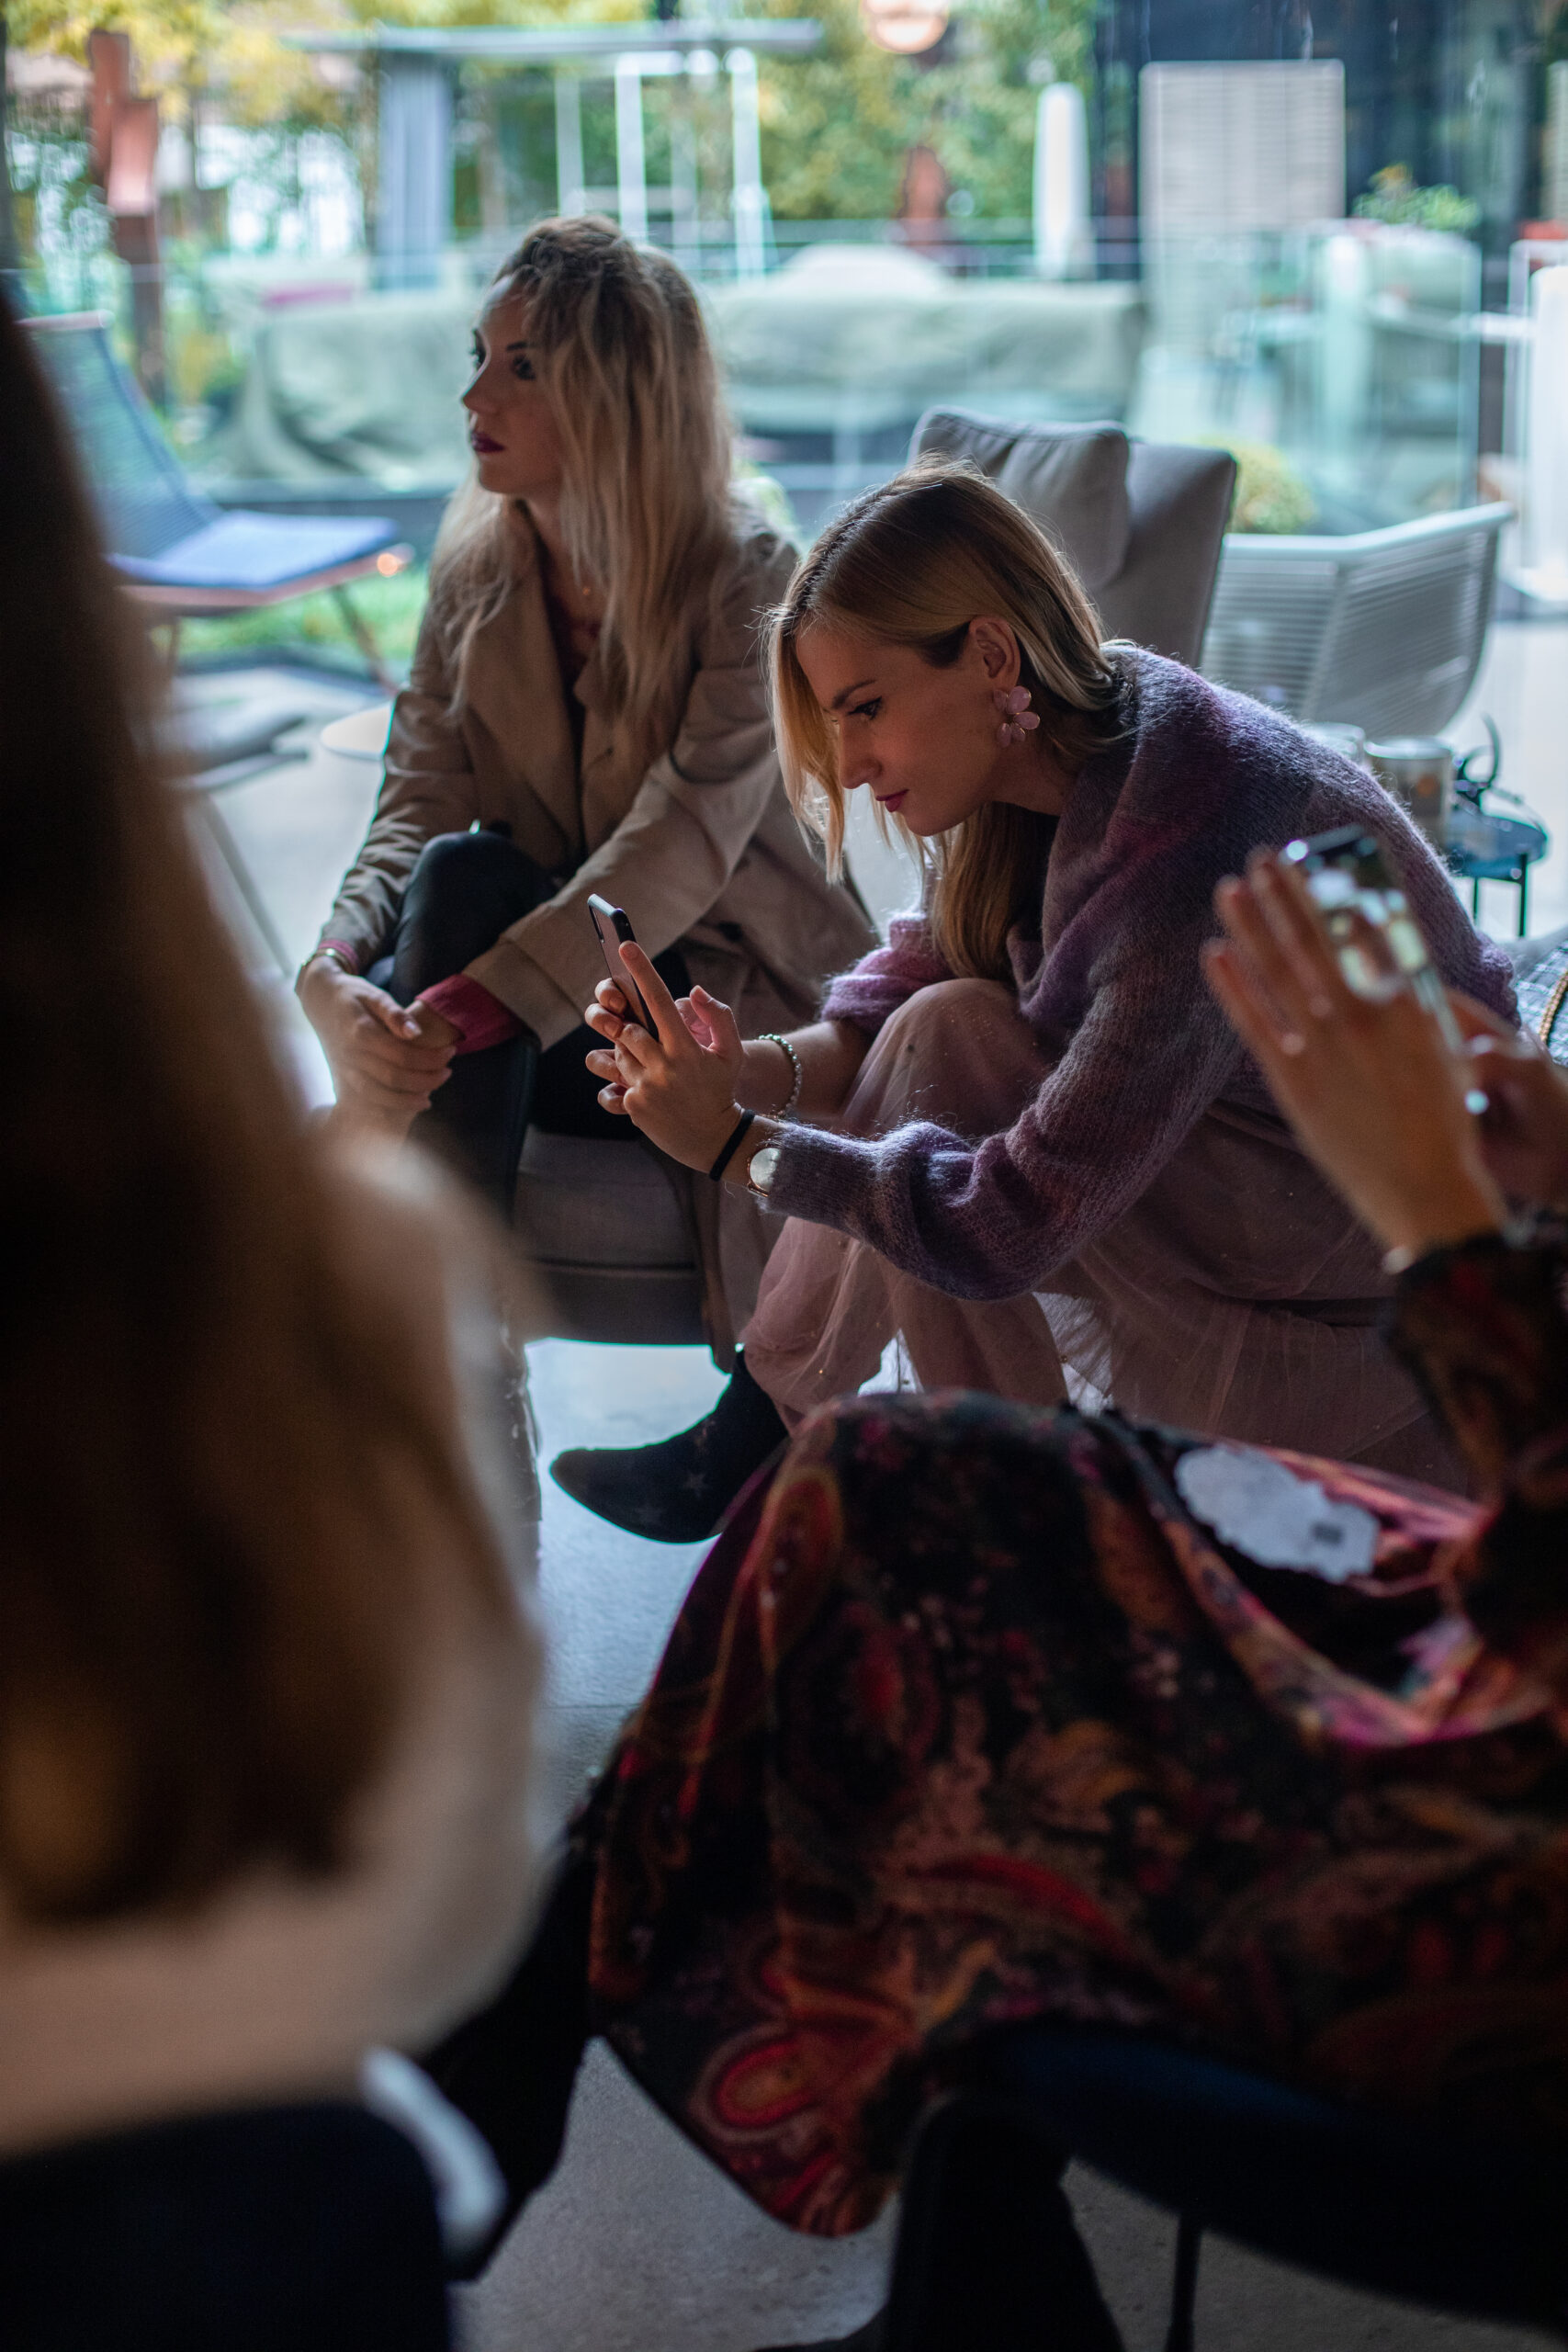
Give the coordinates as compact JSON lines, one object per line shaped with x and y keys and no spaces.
{"x":968,"y":1721}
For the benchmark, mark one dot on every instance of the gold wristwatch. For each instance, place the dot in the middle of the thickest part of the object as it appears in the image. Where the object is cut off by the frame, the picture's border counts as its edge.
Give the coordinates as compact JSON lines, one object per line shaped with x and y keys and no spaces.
{"x":761,"y":1170}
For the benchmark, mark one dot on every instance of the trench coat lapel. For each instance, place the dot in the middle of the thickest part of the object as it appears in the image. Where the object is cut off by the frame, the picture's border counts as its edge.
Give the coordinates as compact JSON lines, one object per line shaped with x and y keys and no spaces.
{"x":514,"y":686}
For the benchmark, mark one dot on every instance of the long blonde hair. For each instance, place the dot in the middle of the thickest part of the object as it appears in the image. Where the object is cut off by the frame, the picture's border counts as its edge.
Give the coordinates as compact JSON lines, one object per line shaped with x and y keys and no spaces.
{"x":913,"y":562}
{"x":617,"y":337}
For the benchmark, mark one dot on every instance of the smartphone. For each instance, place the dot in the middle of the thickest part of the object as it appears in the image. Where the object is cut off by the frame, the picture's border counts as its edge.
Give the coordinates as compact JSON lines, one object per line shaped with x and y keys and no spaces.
{"x":613,"y":927}
{"x":1348,"y":874}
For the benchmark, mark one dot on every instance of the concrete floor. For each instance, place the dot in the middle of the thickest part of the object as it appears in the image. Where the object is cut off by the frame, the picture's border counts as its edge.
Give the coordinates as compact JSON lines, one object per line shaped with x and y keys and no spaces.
{"x":638,"y":2244}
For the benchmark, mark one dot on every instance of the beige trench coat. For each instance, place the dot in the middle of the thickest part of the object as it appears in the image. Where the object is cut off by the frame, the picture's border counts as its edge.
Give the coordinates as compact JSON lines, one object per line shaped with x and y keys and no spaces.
{"x":701,"y":848}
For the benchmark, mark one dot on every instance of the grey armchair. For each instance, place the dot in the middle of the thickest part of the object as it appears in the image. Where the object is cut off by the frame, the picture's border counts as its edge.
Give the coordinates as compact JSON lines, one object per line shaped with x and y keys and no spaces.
{"x":1141,"y":522}
{"x":606,"y":1234}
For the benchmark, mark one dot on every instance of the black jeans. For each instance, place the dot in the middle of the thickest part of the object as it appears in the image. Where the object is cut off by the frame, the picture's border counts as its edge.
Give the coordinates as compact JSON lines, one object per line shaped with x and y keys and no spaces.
{"x":465,"y":891}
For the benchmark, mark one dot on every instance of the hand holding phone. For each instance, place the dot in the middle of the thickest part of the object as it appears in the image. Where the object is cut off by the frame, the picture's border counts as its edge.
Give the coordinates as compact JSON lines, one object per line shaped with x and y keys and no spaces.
{"x":1350,"y":878}
{"x":1354,"y":1060}
{"x":613,"y":926}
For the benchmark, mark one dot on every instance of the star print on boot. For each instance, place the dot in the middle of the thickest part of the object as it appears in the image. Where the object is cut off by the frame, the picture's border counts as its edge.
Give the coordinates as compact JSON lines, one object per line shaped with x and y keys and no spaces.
{"x":678,"y":1491}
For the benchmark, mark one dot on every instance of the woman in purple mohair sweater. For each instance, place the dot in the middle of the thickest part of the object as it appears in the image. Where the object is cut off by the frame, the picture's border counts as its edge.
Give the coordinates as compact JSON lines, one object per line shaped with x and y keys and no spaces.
{"x":1027,"y":1140}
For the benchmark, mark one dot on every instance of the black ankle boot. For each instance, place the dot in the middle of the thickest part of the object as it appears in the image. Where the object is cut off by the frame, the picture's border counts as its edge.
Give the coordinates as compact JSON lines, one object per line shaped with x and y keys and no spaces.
{"x":677,"y":1491}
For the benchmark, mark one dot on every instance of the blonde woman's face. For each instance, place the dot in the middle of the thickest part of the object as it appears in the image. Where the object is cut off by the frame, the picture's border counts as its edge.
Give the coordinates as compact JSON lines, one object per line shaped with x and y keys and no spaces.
{"x":922,"y":741}
{"x":512,"y":428}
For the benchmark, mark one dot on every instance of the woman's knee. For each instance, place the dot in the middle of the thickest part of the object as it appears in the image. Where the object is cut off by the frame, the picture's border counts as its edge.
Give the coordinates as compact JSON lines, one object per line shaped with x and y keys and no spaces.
{"x":466,"y":890}
{"x":963,"y":1049}
{"x":967,"y":1007}
{"x":463,"y":893}
{"x":453,"y":865}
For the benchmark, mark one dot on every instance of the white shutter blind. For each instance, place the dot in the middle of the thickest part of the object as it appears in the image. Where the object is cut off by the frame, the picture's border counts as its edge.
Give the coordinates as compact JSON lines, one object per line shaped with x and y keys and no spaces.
{"x":1555,"y":175}
{"x":1241,"y":146}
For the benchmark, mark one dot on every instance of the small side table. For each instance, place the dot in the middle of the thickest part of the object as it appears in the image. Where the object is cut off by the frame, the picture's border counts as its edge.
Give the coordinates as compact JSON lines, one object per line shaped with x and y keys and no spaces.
{"x":1484,"y":848}
{"x":359,"y":734}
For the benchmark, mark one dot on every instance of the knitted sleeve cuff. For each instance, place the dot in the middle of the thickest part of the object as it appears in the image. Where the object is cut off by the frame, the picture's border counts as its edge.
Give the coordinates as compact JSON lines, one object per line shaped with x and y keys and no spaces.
{"x":827,"y":1179}
{"x":479,"y":1019}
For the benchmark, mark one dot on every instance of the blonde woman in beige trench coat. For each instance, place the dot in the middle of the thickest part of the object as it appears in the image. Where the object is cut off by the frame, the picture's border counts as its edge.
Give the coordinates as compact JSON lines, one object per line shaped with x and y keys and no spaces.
{"x":586,"y":713}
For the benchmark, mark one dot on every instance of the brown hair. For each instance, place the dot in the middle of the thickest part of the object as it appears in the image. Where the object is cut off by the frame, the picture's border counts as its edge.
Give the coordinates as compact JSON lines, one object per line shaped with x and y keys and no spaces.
{"x":209,"y":1425}
{"x":624,"y":356}
{"x":913,"y":562}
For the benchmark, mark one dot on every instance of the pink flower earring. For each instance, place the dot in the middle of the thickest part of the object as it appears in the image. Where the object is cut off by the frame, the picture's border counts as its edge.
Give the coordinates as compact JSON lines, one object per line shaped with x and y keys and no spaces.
{"x":1018,"y":719}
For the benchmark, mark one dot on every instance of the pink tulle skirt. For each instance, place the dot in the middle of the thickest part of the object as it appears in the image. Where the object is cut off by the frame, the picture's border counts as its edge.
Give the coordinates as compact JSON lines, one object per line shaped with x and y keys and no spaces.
{"x":1237,"y":1297}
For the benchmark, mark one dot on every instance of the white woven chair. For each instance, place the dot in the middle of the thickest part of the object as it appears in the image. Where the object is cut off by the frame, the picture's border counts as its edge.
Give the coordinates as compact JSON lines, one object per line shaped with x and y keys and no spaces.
{"x":1383,"y":629}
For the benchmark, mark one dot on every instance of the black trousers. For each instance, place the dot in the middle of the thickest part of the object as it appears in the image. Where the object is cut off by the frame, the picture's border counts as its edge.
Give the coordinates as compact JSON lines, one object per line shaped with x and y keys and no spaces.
{"x":465,"y":891}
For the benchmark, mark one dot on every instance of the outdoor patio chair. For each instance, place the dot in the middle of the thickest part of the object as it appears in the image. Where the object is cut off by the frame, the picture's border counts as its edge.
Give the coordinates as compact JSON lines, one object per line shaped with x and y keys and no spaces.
{"x":1141,"y":522}
{"x":1382,"y":629}
{"x":1465,"y":2222}
{"x":180,"y":556}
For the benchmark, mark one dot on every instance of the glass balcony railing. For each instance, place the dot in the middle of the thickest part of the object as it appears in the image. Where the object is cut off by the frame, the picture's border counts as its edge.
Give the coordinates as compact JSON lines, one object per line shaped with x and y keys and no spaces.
{"x":1341,"y":363}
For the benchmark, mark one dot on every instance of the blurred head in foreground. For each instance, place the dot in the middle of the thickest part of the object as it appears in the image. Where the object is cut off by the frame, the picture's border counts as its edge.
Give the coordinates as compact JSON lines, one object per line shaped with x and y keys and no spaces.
{"x":214,"y":1438}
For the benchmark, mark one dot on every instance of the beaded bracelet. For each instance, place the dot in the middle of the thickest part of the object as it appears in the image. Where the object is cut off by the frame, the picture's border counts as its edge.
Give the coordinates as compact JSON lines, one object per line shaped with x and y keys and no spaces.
{"x":772,"y":1037}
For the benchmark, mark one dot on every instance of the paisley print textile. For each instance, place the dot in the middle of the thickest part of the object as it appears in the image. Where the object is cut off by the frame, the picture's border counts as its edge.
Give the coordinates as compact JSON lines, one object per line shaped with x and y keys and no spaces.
{"x":967,"y":1720}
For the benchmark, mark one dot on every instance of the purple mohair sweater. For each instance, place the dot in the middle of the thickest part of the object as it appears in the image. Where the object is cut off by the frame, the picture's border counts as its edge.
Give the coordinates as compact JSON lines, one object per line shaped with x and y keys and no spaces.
{"x":1111,"y":985}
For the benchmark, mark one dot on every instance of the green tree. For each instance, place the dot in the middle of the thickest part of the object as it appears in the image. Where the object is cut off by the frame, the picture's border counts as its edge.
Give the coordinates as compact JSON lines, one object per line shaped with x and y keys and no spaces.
{"x":838,"y":126}
{"x":189,"y":50}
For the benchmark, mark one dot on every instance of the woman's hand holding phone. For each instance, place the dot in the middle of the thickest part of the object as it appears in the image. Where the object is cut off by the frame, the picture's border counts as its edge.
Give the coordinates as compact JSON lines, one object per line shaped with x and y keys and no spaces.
{"x":677,"y":1085}
{"x":608,"y":1015}
{"x":1374,"y":1090}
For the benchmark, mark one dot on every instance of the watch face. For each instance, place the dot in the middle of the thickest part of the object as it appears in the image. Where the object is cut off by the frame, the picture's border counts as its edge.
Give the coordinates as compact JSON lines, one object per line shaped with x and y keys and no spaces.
{"x":764,"y":1164}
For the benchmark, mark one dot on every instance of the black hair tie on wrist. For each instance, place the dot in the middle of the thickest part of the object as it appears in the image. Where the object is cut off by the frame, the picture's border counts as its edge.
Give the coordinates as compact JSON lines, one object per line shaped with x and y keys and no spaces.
{"x":742,"y":1126}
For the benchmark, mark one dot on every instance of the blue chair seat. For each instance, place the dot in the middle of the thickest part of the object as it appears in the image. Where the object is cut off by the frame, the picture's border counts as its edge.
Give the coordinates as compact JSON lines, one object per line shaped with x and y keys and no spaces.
{"x":253,"y":554}
{"x":178,"y":552}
